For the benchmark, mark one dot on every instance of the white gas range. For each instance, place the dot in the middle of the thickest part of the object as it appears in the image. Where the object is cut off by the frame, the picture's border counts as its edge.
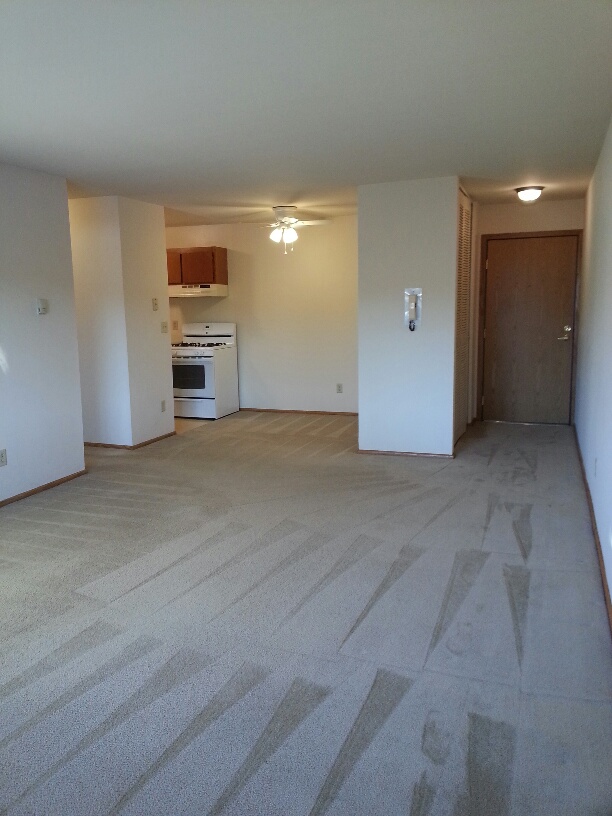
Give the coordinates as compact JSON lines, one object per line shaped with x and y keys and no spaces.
{"x":205,"y":371}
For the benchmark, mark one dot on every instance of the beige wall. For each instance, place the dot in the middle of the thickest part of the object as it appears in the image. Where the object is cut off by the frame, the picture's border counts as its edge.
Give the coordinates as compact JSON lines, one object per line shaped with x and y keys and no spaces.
{"x":40,"y":396}
{"x":540,"y":216}
{"x":296,"y":313}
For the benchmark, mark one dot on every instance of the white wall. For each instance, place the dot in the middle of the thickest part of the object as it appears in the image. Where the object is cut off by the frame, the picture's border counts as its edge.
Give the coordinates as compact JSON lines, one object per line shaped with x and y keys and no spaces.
{"x":296,"y":313}
{"x":143,"y":256}
{"x":98,"y":279}
{"x":594,"y":375}
{"x":407,"y":238}
{"x":40,"y":399}
{"x":119,"y":267}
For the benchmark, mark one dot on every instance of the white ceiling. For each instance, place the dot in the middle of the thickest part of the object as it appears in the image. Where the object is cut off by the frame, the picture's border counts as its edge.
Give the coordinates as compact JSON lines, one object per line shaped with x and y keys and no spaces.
{"x":223,"y":107}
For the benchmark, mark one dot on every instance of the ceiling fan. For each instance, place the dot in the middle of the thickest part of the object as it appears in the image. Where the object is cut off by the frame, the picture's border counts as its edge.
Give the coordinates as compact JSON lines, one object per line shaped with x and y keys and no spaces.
{"x":286,"y":223}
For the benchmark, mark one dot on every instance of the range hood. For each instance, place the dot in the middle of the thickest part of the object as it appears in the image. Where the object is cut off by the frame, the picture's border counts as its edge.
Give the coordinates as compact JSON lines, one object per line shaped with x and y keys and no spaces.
{"x":197,"y":290}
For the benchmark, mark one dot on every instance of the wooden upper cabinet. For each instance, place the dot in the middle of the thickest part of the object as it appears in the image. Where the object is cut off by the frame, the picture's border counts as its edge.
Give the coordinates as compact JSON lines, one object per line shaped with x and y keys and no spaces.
{"x":174,"y":266}
{"x":220,"y":264}
{"x":197,"y":265}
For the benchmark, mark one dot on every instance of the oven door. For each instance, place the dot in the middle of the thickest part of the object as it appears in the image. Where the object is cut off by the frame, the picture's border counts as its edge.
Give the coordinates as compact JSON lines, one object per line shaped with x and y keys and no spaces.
{"x":194,"y":377}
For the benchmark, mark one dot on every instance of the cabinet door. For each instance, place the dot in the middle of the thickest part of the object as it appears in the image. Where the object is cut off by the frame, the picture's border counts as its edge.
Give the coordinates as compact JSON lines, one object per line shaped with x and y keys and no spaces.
{"x":174,"y":266}
{"x":220,"y":265}
{"x":197,"y":266}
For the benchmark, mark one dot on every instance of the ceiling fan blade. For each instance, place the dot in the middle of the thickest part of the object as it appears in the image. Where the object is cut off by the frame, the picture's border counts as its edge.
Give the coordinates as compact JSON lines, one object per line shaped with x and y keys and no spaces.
{"x":289,"y":221}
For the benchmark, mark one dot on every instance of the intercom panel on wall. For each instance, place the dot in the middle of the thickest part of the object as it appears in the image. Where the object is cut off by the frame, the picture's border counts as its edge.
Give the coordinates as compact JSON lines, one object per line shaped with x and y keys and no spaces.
{"x":413,"y":303}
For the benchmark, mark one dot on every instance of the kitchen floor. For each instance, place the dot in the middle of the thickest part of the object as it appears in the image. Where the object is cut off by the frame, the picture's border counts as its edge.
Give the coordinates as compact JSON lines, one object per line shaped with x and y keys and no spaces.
{"x":251,"y":618}
{"x":183,"y":424}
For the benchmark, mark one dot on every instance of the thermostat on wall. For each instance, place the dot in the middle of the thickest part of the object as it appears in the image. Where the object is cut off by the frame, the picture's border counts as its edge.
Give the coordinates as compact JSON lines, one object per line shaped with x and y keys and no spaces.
{"x":42,"y":306}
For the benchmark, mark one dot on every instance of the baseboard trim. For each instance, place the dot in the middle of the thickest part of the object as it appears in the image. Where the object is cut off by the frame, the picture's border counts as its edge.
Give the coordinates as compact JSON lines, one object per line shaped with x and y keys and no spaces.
{"x":40,"y":489}
{"x":602,"y":566}
{"x":407,"y":453}
{"x":129,"y":447}
{"x":292,"y":411}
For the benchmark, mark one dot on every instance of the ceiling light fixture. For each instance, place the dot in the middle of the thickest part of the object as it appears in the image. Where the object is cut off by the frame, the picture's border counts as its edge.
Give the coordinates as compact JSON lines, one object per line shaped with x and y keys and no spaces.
{"x":286,"y":234}
{"x":289,"y":235}
{"x":529,"y":194}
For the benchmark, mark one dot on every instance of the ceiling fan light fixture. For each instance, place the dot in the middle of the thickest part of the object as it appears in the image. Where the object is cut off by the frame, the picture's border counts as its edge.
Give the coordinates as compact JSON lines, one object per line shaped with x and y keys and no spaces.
{"x":276,"y":235}
{"x":289,"y":235}
{"x":529,"y":194}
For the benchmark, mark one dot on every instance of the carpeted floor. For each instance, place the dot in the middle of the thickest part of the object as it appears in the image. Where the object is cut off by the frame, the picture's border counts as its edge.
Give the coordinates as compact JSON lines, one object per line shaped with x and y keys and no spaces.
{"x":250,"y":618}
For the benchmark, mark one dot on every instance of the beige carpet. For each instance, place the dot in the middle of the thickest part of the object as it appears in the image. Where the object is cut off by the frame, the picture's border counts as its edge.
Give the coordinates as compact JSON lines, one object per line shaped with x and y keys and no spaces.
{"x":250,"y":618}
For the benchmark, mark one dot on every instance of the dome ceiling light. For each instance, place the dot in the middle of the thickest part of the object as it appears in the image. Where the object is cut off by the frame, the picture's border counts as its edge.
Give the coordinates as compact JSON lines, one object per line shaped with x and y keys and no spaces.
{"x":529,"y":194}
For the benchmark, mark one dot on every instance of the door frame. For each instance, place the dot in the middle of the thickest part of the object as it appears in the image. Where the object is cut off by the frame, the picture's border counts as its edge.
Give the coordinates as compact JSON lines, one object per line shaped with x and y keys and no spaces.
{"x":482,"y":299}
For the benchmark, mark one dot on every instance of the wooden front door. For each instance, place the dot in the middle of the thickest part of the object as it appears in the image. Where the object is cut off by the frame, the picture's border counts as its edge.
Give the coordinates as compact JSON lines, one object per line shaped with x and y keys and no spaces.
{"x":528,"y":328}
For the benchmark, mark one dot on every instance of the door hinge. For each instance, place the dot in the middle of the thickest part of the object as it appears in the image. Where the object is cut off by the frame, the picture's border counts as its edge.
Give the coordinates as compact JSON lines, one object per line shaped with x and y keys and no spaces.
{"x":482,"y":400}
{"x":487,"y":264}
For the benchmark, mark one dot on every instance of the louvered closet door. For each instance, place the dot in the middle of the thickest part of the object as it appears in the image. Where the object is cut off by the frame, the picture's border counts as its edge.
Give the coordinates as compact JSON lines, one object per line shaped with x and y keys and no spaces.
{"x":462,"y":318}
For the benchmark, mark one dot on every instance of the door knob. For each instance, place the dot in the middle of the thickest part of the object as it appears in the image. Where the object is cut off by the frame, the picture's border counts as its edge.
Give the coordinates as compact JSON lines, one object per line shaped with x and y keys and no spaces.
{"x":565,"y":337}
{"x":567,"y":328}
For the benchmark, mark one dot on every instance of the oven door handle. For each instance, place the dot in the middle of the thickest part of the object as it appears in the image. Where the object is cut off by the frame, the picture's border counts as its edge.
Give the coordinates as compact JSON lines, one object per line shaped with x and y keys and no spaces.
{"x":191,"y":360}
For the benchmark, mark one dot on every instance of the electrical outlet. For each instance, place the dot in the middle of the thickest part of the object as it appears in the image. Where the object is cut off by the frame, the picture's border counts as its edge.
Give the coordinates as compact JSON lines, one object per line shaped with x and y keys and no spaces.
{"x":155,"y":303}
{"x":3,"y":461}
{"x":339,"y":388}
{"x":163,"y":405}
{"x":164,"y":327}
